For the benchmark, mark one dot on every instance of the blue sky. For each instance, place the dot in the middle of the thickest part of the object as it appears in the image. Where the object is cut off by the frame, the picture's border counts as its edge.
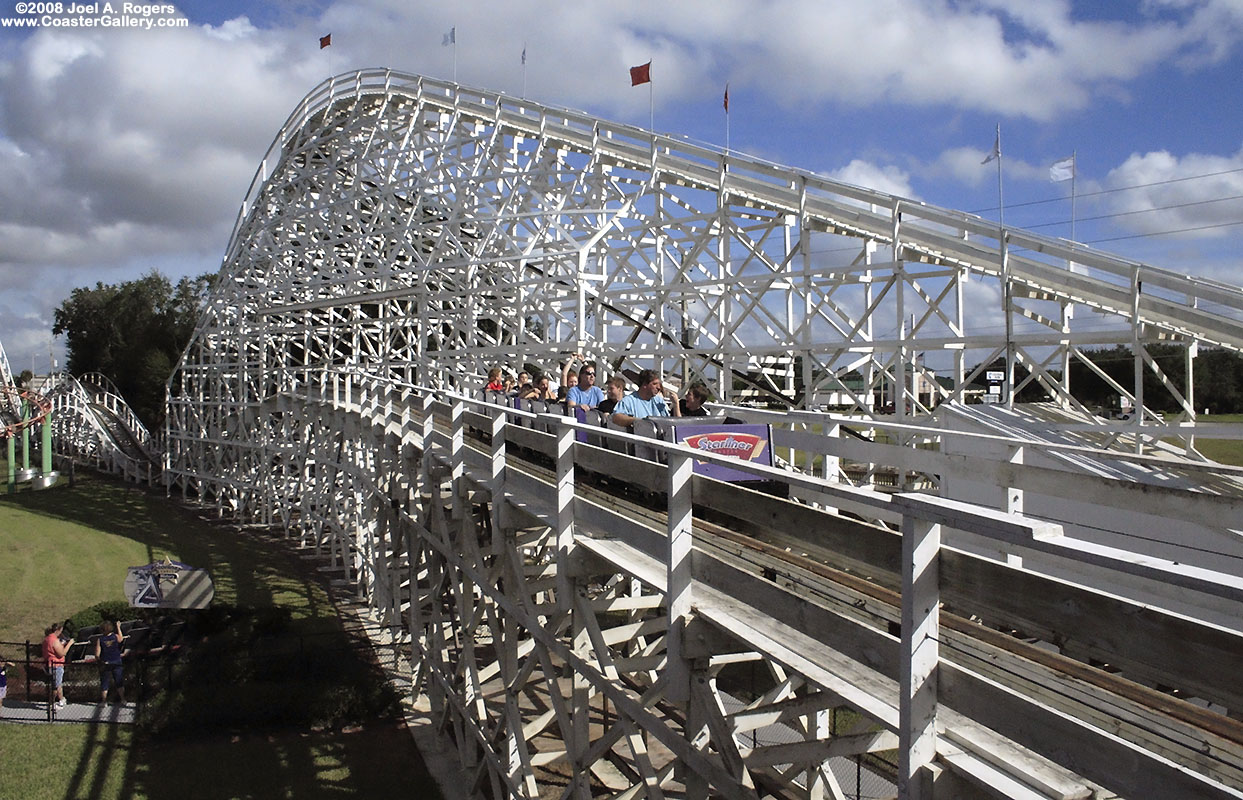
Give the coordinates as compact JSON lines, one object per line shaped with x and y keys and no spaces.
{"x":123,"y":150}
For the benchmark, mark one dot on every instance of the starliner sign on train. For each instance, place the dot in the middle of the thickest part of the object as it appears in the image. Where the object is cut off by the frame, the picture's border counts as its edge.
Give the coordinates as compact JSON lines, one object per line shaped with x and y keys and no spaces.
{"x":745,"y":442}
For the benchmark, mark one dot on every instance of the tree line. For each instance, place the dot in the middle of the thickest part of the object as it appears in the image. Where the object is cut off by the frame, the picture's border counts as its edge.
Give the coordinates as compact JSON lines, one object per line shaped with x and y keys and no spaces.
{"x":1217,"y":373}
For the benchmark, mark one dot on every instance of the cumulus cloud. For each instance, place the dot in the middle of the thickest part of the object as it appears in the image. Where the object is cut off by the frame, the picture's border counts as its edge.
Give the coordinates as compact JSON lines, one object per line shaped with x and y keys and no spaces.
{"x":1036,"y":59}
{"x":130,"y":143}
{"x":121,"y":148}
{"x":889,"y":179}
{"x":1158,"y":192}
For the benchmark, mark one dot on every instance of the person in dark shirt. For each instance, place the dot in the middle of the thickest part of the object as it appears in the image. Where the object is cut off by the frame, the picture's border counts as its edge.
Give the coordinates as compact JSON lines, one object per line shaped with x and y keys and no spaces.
{"x":540,"y":390}
{"x":4,"y":678}
{"x":108,"y":656}
{"x":693,"y":404}
{"x":614,"y":390}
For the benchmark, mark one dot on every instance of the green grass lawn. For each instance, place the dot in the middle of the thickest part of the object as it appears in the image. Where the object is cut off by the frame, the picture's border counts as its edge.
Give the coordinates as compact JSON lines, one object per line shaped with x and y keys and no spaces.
{"x":65,"y":549}
{"x":100,"y":762}
{"x":1226,"y":451}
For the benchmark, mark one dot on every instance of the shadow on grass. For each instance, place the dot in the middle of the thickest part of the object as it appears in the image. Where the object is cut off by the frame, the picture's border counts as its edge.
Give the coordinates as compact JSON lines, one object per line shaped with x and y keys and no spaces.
{"x":260,"y":751}
{"x":375,"y":761}
{"x":246,"y":571}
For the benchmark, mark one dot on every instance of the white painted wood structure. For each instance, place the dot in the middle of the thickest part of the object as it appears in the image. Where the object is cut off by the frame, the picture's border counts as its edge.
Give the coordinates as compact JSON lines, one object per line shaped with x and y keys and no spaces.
{"x":657,"y":634}
{"x":93,"y":425}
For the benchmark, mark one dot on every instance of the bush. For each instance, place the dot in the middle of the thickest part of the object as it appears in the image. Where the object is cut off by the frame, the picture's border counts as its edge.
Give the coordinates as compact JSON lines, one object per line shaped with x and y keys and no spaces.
{"x":109,"y":609}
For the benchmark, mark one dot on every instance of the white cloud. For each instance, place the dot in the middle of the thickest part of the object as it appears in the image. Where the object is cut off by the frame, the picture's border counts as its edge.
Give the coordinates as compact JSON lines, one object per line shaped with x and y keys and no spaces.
{"x":1034,"y":59}
{"x":126,"y":148}
{"x":1158,"y":192}
{"x":889,"y":179}
{"x":136,"y":143}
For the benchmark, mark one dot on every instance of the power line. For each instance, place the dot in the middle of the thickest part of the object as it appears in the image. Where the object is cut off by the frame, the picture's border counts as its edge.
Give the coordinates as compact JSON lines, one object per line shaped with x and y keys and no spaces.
{"x":1119,"y":189}
{"x":1118,"y":214}
{"x":1165,"y":233}
{"x":1140,"y":211}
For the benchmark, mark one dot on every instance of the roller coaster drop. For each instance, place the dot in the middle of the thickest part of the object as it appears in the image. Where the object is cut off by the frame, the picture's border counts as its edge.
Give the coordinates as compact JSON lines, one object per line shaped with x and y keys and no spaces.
{"x":582,"y":622}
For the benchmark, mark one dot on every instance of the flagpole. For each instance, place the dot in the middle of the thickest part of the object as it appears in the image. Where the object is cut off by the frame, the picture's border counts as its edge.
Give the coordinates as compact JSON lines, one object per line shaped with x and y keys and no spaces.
{"x":1074,"y":169}
{"x":651,"y":107}
{"x":1006,"y":287}
{"x":524,"y":70}
{"x":727,"y":119}
{"x":1001,"y":206}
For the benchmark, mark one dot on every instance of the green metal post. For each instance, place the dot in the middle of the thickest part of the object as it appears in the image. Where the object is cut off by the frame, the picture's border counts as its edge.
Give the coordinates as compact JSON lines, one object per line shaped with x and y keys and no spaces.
{"x":47,"y":444}
{"x":26,"y":414}
{"x":12,"y":448}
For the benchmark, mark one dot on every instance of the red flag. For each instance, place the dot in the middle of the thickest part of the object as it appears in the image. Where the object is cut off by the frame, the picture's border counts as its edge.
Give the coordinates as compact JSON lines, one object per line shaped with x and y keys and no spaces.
{"x":641,"y":74}
{"x":324,"y":41}
{"x":727,"y":98}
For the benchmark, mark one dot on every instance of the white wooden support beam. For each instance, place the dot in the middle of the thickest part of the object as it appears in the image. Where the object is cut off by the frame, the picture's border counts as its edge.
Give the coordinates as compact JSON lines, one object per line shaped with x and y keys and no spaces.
{"x":831,"y":464}
{"x":678,"y":574}
{"x":456,"y":438}
{"x":917,"y":679}
{"x":818,"y":750}
{"x":565,"y":508}
{"x":1014,"y":499}
{"x":577,"y":738}
{"x":989,"y":522}
{"x":457,"y":459}
{"x":428,"y":429}
{"x":496,"y":483}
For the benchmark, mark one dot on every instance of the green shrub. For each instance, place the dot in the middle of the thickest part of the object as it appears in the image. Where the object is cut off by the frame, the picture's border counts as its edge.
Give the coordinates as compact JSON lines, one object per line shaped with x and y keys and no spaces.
{"x":109,"y":609}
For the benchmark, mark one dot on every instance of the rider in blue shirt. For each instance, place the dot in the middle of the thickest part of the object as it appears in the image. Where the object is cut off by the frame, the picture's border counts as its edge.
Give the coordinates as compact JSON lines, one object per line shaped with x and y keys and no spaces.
{"x":650,"y":400}
{"x":585,"y":393}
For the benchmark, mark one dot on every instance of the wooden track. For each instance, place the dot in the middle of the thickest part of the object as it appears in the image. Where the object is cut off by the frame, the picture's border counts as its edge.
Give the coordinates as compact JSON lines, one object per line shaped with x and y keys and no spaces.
{"x":536,"y":582}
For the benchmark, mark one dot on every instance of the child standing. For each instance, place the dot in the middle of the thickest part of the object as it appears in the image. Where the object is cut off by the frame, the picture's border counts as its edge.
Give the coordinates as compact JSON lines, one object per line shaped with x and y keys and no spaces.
{"x":4,"y":679}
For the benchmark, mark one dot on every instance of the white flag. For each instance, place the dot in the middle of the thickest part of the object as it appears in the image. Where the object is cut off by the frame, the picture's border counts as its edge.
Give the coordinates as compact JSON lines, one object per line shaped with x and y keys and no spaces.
{"x":450,"y":37}
{"x":1062,"y":170}
{"x":996,"y":153}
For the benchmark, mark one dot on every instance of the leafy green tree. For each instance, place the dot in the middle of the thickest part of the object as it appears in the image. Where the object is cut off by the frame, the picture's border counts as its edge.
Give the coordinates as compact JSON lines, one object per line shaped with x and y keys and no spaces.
{"x":1219,"y":381}
{"x":134,"y":333}
{"x":1218,"y":376}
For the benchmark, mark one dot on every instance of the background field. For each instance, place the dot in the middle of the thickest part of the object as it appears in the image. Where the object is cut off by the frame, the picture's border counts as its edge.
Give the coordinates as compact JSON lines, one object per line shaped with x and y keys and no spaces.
{"x":65,"y":549}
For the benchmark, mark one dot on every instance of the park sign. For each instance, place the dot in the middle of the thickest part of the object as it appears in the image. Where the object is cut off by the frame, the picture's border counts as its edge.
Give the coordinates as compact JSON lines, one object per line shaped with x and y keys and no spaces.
{"x":746,"y":442}
{"x":168,"y":584}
